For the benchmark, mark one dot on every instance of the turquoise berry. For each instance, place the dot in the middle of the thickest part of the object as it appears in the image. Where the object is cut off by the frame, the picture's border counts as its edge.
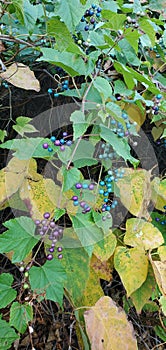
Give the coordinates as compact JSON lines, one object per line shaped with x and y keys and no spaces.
{"x":113,"y":206}
{"x":105,"y":200}
{"x":110,"y":172}
{"x":49,"y":91}
{"x":109,"y":190}
{"x":108,"y":208}
{"x":75,"y":203}
{"x":62,"y":141}
{"x":108,"y":185}
{"x":53,"y":138}
{"x":102,"y":183}
{"x":50,"y":149}
{"x":84,"y":186}
{"x":56,"y":94}
{"x":106,"y":194}
{"x":101,"y":191}
{"x":98,"y":14}
{"x":159,"y":96}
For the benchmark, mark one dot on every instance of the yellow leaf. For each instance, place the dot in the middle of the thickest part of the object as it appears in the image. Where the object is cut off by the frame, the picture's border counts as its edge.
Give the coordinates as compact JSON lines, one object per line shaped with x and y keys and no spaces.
{"x":141,"y":296}
{"x":135,"y":186}
{"x":132,"y":266}
{"x":159,"y":193}
{"x":159,"y":269}
{"x":105,"y":248}
{"x":21,"y":76}
{"x":142,"y":233}
{"x":162,"y":253}
{"x":108,"y":328}
{"x":92,"y":291}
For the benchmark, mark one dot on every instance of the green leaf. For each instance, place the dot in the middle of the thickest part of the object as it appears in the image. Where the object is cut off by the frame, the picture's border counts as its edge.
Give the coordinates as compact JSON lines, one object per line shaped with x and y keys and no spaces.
{"x":27,"y":148}
{"x":116,"y":21}
{"x":76,"y":264}
{"x":20,"y":315}
{"x":70,"y":178}
{"x":8,"y":335}
{"x":71,"y":63}
{"x":58,"y":213}
{"x":79,"y":124}
{"x":86,"y":230}
{"x":148,"y":29}
{"x":120,"y":145}
{"x":137,"y":6}
{"x":64,"y":41}
{"x":7,"y":293}
{"x":103,"y":224}
{"x":19,"y":238}
{"x":129,"y":52}
{"x":132,"y":266}
{"x":105,"y":248}
{"x":84,"y":154}
{"x":70,"y":12}
{"x":26,"y":13}
{"x":103,"y":86}
{"x":48,"y":280}
{"x":3,"y":134}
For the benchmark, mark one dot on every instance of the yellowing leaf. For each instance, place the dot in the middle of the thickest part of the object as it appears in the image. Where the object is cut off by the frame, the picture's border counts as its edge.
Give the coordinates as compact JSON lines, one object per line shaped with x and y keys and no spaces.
{"x":159,"y":193}
{"x":135,"y":186}
{"x":40,"y":196}
{"x":106,"y":247}
{"x":132,"y":266}
{"x":162,"y":302}
{"x":92,"y":291}
{"x":135,"y":114}
{"x":12,"y":177}
{"x":103,"y":269}
{"x":141,"y":296}
{"x":21,"y":76}
{"x":108,"y":328}
{"x":162,"y":253}
{"x":140,"y":232}
{"x":159,"y":269}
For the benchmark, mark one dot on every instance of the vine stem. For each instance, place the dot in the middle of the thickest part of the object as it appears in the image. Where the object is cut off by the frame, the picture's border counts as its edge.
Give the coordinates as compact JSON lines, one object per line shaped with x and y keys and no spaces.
{"x":83,"y":111}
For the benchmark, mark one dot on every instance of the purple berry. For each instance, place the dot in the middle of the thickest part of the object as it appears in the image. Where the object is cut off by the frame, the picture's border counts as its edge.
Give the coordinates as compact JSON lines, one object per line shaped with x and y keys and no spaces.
{"x":45,"y":228}
{"x":37,"y":222}
{"x":52,"y":224}
{"x":157,"y":219}
{"x":45,"y":145}
{"x":62,"y":148}
{"x":46,"y":215}
{"x":82,"y":204}
{"x":92,"y":21}
{"x":78,"y":186}
{"x":44,"y":222}
{"x":65,"y":134}
{"x":41,"y":233}
{"x":51,"y":250}
{"x":88,"y":210}
{"x":60,"y":256}
{"x":55,"y":233}
{"x":49,"y":257}
{"x":74,"y":198}
{"x":59,"y":249}
{"x":57,"y":143}
{"x":91,"y":187}
{"x":69,"y":143}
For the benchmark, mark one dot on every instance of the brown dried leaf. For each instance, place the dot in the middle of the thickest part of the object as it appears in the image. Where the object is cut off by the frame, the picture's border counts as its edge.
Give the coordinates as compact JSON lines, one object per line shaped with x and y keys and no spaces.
{"x":159,"y":269}
{"x":21,"y":76}
{"x":108,"y":328}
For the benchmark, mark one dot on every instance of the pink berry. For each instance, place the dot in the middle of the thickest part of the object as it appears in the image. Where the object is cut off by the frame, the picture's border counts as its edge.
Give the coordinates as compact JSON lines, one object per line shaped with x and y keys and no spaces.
{"x":60,"y":256}
{"x":62,"y":148}
{"x":57,"y":143}
{"x":59,"y":249}
{"x":91,"y":187}
{"x":49,"y":257}
{"x":78,"y":186}
{"x":45,"y":145}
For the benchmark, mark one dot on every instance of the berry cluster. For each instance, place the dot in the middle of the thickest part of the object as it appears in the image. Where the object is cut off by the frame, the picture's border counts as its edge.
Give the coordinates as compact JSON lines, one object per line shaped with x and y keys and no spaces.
{"x":83,"y":186}
{"x":61,"y":87}
{"x":119,"y":128}
{"x":161,"y":142}
{"x":106,"y":188}
{"x":58,"y":143}
{"x":162,"y":221}
{"x":131,"y":22}
{"x":107,"y":152}
{"x":54,"y":232}
{"x":5,"y":85}
{"x":155,"y":108}
{"x":91,"y":17}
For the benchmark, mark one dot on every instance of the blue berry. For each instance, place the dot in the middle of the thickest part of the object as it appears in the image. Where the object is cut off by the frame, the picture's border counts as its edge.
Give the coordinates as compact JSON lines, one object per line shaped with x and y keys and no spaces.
{"x":69,"y":143}
{"x":86,"y":28}
{"x":108,"y":208}
{"x":93,"y":6}
{"x":56,"y":94}
{"x":49,"y":91}
{"x":65,"y":86}
{"x":98,"y":14}
{"x":62,"y":141}
{"x":106,"y":194}
{"x":83,"y":19}
{"x":53,"y":138}
{"x":75,"y":203}
{"x":65,"y":134}
{"x":102,"y":183}
{"x":164,"y":207}
{"x":50,"y":149}
{"x":101,"y":191}
{"x":99,"y":9}
{"x":91,"y":12}
{"x":159,"y":96}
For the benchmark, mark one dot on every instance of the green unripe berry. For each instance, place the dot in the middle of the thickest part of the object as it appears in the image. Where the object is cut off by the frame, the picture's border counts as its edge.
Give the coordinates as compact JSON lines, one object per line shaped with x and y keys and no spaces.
{"x":26,"y":274}
{"x":98,"y":105}
{"x":79,"y":42}
{"x":25,"y":286}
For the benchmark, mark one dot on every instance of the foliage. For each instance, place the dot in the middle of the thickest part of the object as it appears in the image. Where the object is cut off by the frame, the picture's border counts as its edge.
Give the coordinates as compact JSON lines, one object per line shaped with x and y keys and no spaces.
{"x":110,"y":58}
